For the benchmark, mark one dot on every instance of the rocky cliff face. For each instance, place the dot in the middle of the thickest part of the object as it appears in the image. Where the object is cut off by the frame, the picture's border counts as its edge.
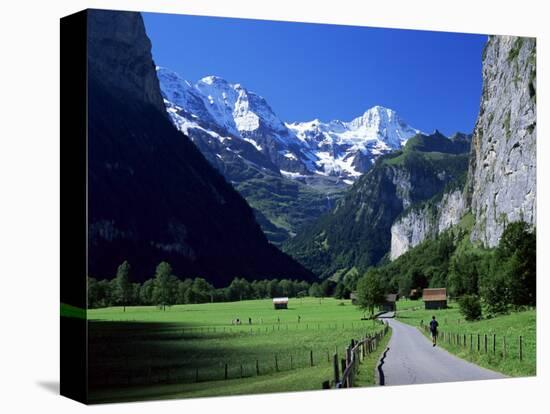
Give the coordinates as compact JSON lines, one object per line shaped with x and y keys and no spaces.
{"x":501,"y":182}
{"x":117,"y":39}
{"x":502,"y":175}
{"x":152,"y":194}
{"x":426,"y":221}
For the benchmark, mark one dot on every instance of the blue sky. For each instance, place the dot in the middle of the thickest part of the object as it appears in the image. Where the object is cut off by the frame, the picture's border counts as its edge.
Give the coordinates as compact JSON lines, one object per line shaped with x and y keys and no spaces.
{"x":307,"y":71}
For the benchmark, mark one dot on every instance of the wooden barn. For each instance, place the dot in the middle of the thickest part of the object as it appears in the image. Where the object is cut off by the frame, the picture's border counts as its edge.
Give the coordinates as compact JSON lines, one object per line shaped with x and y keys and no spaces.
{"x":389,"y":304}
{"x":435,"y":298}
{"x":280,"y":303}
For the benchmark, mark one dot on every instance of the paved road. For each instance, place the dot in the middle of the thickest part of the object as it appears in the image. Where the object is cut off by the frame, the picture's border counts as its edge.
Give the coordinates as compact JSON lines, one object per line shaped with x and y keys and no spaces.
{"x":411,"y":359}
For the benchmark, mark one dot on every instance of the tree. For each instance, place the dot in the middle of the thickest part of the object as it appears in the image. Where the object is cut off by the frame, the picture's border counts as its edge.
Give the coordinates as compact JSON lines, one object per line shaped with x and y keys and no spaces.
{"x":239,"y":289}
{"x":463,"y":276}
{"x":287,"y":288}
{"x":104,"y":293}
{"x":508,"y":278}
{"x":517,"y":253}
{"x":163,"y":285}
{"x":135,"y":297}
{"x":202,"y":290}
{"x":405,"y":284}
{"x":123,"y":289}
{"x":327,"y":288}
{"x":273,"y":288}
{"x":339,"y":290}
{"x":350,"y":278}
{"x":370,"y":293}
{"x":315,"y":290}
{"x":470,"y":307}
{"x":301,"y":288}
{"x":146,"y":292}
{"x":494,"y":289}
{"x":93,"y":293}
{"x":183,"y":287}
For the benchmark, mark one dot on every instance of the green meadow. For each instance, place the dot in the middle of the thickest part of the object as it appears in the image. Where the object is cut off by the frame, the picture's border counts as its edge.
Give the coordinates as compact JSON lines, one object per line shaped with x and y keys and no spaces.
{"x":460,"y":337}
{"x":189,"y":350}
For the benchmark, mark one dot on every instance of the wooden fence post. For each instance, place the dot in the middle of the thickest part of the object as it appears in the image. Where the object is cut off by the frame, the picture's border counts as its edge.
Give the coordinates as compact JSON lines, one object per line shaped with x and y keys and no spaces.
{"x":197,"y":374}
{"x":225,"y":374}
{"x":311,"y":357}
{"x":276,"y":364}
{"x":241,"y":370}
{"x":291,"y":362}
{"x":478,"y":343}
{"x":485,"y":336}
{"x":494,"y":344}
{"x":343,"y":368}
{"x":471,"y":342}
{"x":336,"y":369}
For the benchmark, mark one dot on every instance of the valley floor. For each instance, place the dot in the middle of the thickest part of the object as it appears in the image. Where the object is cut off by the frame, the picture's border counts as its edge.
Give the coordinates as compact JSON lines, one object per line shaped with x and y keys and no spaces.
{"x":146,"y":353}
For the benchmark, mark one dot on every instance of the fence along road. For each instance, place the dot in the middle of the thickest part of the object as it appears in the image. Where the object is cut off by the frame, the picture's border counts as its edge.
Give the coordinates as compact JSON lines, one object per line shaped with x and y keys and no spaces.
{"x":411,"y":359}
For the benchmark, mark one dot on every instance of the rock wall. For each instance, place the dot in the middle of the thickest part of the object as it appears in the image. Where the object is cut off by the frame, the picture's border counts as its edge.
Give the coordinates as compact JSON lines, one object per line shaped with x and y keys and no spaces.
{"x":119,"y":54}
{"x":426,"y":221}
{"x":501,"y":184}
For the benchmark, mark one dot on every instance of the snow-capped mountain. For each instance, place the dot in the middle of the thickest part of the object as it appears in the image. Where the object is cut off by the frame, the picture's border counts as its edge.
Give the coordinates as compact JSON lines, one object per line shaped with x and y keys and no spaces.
{"x":227,"y":121}
{"x":350,"y":148}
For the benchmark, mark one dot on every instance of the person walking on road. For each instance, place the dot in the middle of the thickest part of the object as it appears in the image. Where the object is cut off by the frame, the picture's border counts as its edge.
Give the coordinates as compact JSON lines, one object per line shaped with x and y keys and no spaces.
{"x":433,"y":329}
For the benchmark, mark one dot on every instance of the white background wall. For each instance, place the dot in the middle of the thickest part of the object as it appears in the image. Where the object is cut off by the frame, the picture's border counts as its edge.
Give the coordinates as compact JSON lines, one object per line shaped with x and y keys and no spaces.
{"x":29,"y":207}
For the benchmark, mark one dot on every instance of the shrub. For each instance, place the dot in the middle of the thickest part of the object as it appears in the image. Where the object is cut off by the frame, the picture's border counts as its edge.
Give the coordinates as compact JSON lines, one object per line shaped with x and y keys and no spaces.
{"x":470,"y":307}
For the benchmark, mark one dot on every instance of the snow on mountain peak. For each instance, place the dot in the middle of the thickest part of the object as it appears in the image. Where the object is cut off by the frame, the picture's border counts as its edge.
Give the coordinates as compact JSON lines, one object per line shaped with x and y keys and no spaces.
{"x":210,"y":80}
{"x":344,"y":149}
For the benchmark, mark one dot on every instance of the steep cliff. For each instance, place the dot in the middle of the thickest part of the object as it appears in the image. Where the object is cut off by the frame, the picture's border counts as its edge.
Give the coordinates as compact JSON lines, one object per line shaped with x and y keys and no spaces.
{"x":426,"y":221}
{"x":502,"y":174}
{"x":152,"y":194}
{"x":501,"y":181}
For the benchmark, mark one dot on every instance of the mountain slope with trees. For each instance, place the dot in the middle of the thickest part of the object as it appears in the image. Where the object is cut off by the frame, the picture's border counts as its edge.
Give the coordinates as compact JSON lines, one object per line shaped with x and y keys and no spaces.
{"x":357,"y":232}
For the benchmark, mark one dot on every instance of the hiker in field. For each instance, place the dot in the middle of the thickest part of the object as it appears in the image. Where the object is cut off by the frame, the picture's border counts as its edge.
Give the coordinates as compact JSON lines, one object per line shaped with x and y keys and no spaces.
{"x":250,"y":321}
{"x":433,"y":329}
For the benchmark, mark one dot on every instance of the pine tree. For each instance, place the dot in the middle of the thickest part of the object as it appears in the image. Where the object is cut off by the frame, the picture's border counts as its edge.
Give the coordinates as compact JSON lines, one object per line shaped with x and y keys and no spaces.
{"x":162,"y":291}
{"x":122,"y":286}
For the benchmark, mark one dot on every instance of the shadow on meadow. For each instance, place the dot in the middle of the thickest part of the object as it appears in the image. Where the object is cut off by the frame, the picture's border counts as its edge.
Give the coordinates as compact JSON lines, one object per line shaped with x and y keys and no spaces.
{"x":125,"y":354}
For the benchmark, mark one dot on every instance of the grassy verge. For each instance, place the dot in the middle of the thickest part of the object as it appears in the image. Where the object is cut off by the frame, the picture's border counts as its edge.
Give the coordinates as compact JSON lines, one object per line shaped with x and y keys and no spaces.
{"x":366,"y":376}
{"x":460,"y":337}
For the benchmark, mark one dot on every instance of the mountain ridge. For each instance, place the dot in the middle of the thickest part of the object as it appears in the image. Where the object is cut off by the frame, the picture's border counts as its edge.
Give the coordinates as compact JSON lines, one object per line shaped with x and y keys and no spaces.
{"x":152,"y":194}
{"x":343,"y":149}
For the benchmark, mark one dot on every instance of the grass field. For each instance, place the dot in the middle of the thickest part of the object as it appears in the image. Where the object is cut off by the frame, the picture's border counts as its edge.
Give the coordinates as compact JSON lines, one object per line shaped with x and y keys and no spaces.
{"x":503,"y":330}
{"x":146,"y":353}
